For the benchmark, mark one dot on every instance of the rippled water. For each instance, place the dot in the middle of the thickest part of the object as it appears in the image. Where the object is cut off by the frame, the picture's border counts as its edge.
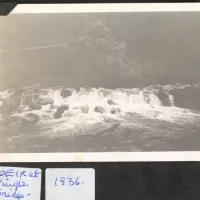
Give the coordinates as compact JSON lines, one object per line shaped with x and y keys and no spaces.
{"x":150,"y":118}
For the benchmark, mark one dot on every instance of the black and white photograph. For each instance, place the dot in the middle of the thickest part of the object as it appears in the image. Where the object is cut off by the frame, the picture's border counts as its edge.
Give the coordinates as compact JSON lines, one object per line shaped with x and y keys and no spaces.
{"x":100,"y":82}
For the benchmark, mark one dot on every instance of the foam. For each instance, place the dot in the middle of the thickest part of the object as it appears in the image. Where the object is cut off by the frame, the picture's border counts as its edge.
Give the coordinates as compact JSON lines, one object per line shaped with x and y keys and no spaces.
{"x":142,"y":102}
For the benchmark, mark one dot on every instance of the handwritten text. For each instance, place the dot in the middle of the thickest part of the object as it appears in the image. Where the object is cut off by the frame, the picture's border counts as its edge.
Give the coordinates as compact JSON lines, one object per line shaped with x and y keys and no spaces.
{"x":16,"y":183}
{"x":62,"y":181}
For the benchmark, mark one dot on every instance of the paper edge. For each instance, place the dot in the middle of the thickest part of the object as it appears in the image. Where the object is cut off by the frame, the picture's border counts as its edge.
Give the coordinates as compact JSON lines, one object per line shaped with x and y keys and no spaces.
{"x":109,"y":7}
{"x":101,"y":157}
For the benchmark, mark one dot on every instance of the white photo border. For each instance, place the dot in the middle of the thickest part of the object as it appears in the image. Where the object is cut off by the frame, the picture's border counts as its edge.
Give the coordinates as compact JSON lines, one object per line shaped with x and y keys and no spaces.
{"x":102,"y":8}
{"x":173,"y":156}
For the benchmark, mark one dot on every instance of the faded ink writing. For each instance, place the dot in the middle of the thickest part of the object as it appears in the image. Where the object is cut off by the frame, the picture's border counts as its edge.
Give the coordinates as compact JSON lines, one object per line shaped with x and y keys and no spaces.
{"x":64,"y":181}
{"x":12,"y":181}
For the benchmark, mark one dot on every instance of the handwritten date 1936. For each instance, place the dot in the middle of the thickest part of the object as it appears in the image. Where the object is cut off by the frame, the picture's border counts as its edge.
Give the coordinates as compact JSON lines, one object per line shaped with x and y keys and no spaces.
{"x":68,"y":181}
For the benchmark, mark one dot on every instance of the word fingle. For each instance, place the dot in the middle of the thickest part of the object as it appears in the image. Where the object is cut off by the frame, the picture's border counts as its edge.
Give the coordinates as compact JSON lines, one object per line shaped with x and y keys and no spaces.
{"x":20,"y":183}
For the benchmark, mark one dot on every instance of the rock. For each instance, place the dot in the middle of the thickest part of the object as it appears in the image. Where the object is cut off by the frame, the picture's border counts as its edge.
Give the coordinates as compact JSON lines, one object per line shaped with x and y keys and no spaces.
{"x":28,"y":100}
{"x":111,"y":102}
{"x":99,"y":109}
{"x":57,"y":115}
{"x":9,"y":105}
{"x":18,"y":93}
{"x":35,"y":106}
{"x":17,"y":119}
{"x":164,"y":98}
{"x":60,"y":110}
{"x":45,"y":101}
{"x":85,"y":109}
{"x":115,"y":110}
{"x":31,"y":117}
{"x":53,"y":106}
{"x":65,"y":93}
{"x":105,"y":92}
{"x":130,"y":114}
{"x":188,"y":98}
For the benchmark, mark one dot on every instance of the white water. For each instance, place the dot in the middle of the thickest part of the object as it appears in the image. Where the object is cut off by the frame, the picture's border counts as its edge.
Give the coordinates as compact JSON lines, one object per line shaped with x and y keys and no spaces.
{"x":142,"y":102}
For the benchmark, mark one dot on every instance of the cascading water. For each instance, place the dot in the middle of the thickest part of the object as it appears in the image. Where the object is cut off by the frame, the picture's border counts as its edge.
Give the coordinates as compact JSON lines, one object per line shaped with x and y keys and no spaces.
{"x":144,"y":102}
